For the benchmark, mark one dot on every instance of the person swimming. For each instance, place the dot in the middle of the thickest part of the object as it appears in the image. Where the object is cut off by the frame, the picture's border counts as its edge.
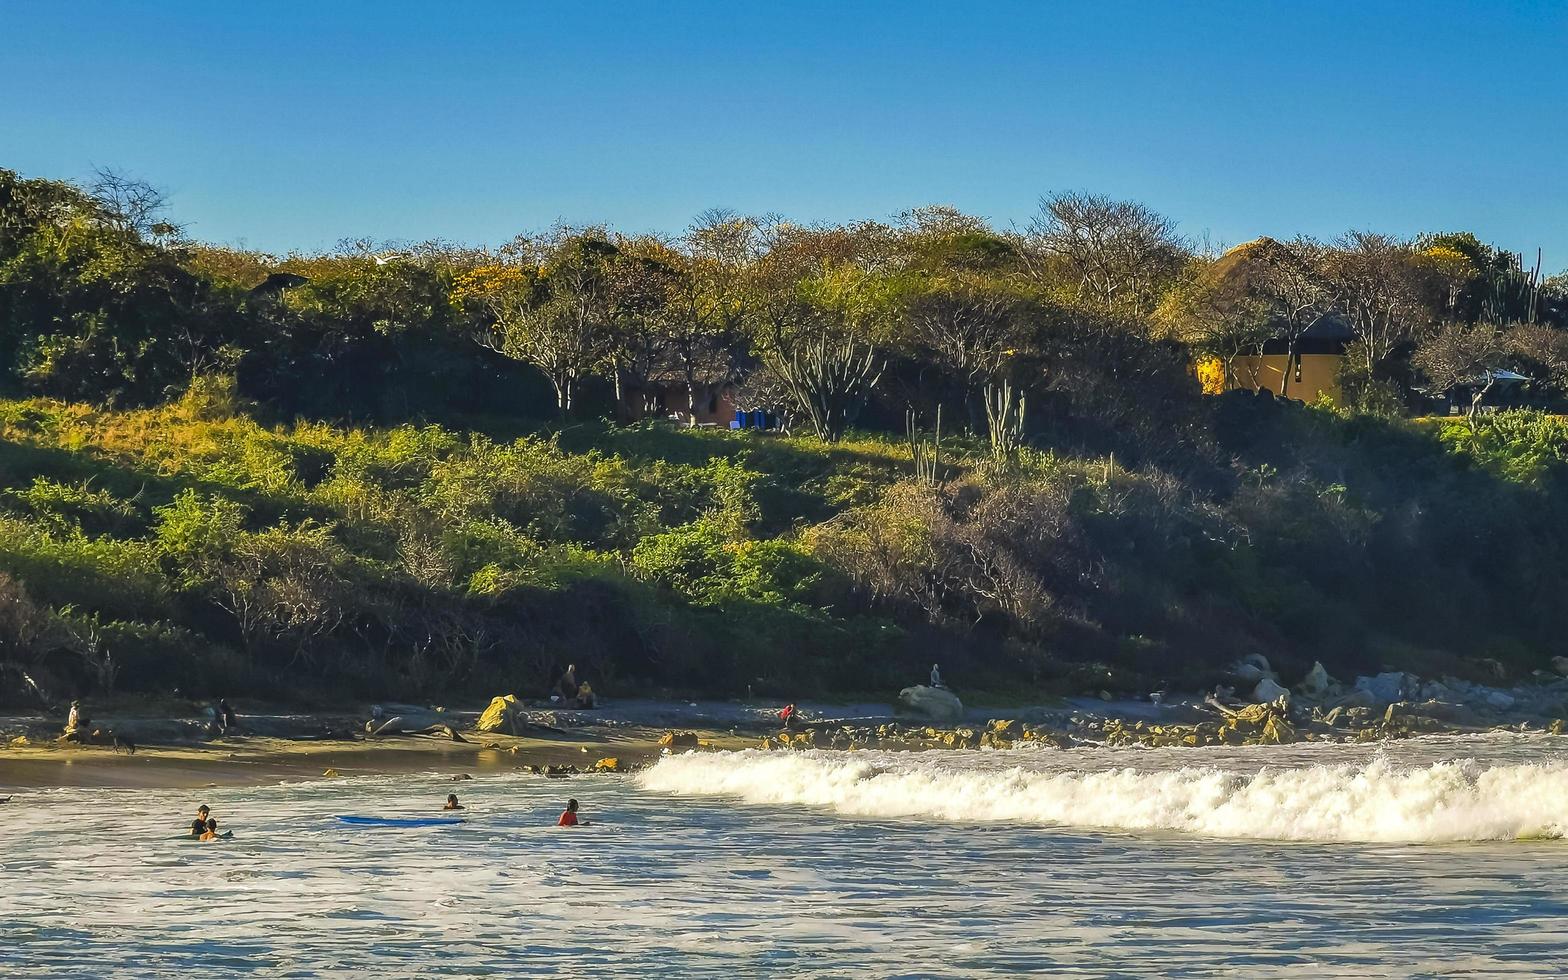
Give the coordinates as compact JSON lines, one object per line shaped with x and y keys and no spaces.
{"x":199,"y":825}
{"x":211,"y":833}
{"x":569,"y":816}
{"x":451,"y":802}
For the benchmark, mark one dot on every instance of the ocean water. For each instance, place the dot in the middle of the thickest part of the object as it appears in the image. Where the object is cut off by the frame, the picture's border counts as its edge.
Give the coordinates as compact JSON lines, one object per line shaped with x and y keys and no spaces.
{"x":1441,"y":857}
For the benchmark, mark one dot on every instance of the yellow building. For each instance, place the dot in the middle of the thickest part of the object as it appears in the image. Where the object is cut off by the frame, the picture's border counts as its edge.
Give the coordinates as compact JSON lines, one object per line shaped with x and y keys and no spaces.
{"x":1307,"y":378}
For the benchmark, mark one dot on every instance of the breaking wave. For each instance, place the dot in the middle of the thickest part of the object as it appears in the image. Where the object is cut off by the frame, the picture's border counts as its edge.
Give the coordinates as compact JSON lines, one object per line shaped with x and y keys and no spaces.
{"x":1377,"y":801}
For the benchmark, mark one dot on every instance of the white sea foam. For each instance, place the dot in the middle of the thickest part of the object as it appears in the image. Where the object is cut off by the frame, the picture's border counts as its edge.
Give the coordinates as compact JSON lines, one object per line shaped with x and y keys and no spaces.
{"x":1376,"y":801}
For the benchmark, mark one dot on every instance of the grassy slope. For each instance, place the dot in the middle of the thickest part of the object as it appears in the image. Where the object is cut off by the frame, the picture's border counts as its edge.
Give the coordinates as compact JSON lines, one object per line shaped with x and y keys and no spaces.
{"x":419,"y":560}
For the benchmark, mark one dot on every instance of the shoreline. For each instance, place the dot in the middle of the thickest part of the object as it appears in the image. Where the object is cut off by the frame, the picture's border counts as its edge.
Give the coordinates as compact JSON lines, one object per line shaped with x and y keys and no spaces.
{"x":176,"y":747}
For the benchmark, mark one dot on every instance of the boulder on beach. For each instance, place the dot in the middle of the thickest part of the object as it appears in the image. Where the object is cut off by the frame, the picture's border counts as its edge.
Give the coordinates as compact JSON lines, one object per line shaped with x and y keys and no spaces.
{"x":933,"y":703}
{"x":1269,"y":689}
{"x":1385,"y":688}
{"x":679,"y":740}
{"x":1252,"y":668}
{"x":392,"y":726}
{"x":1499,"y":700}
{"x":501,"y":715}
{"x":1317,"y":683}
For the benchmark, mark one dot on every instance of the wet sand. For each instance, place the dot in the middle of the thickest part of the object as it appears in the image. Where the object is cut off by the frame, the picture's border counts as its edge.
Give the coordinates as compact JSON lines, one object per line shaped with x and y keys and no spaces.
{"x":259,"y":761}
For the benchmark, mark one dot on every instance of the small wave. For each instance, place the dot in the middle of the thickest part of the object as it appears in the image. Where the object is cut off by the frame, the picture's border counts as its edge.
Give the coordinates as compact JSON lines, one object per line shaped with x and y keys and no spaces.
{"x":1379,"y":801}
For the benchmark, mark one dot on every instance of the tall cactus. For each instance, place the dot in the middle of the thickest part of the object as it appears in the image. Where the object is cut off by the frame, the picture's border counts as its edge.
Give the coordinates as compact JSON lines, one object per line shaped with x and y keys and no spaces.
{"x":1513,"y":294}
{"x":927,"y":456}
{"x":1004,"y":412}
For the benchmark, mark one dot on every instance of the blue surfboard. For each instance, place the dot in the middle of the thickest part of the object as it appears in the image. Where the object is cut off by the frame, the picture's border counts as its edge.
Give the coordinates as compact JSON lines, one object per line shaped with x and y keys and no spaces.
{"x":401,"y":821}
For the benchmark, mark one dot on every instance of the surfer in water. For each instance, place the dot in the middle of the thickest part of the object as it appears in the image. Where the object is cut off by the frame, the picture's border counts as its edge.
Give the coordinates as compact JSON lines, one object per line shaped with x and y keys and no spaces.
{"x":211,"y":833}
{"x":199,"y":825}
{"x":451,"y":802}
{"x":569,"y":816}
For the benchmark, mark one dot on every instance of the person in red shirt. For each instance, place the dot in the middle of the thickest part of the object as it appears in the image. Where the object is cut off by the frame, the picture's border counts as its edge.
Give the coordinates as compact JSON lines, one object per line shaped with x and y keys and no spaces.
{"x":569,"y":816}
{"x":787,"y":716}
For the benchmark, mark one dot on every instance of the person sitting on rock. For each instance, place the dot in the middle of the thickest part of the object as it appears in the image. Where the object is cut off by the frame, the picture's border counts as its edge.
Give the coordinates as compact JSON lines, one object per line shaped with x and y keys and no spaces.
{"x":567,"y":689}
{"x":451,"y":802}
{"x":936,"y":676}
{"x":199,"y":825}
{"x":585,"y":696}
{"x":76,"y":722}
{"x":569,"y":816}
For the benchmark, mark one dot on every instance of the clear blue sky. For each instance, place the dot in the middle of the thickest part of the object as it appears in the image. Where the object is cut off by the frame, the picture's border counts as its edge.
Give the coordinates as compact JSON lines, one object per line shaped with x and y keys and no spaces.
{"x":295,"y":125}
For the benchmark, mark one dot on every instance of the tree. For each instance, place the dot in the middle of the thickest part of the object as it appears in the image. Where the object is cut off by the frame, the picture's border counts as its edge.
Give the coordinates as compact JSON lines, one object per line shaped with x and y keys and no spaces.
{"x":1289,"y":279}
{"x":1463,"y":354}
{"x":132,"y":206}
{"x":1543,"y":351}
{"x":86,"y":305}
{"x":641,"y":287}
{"x":550,"y":307}
{"x":721,"y":254}
{"x":1109,"y":254}
{"x":1383,"y":291}
{"x":819,"y":302}
{"x":975,"y":331}
{"x":1218,"y":315}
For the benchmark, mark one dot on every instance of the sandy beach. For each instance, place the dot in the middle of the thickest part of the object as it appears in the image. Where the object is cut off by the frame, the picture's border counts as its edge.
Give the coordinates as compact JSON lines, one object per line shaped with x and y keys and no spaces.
{"x":171,"y":753}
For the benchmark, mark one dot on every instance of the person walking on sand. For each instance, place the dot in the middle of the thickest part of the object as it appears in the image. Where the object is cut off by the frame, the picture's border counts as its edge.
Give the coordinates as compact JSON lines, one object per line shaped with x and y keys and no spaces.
{"x":569,"y":816}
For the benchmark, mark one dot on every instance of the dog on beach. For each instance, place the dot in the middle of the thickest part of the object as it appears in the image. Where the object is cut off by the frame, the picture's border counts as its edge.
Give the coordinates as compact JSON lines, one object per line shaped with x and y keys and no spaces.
{"x":124,"y":743}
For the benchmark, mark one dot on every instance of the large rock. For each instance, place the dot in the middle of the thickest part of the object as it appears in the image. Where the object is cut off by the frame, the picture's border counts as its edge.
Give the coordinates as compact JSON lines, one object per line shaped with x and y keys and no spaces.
{"x":1385,"y":688}
{"x":1252,"y":668}
{"x":503,"y":715}
{"x":931,"y":702}
{"x":1356,"y":698}
{"x":1454,"y":714}
{"x":1317,"y":683}
{"x":1499,"y":700}
{"x":391,"y":726}
{"x":1560,"y":664}
{"x":679,"y":740}
{"x":1268,"y":690}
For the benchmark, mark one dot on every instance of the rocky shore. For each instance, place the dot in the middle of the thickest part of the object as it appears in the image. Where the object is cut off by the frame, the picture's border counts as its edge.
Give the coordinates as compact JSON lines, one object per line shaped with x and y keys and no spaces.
{"x":1390,"y":705}
{"x":182,"y":743}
